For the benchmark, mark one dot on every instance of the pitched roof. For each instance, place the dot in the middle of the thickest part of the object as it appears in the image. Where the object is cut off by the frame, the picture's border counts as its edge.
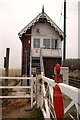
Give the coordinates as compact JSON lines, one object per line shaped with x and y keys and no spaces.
{"x":36,"y":19}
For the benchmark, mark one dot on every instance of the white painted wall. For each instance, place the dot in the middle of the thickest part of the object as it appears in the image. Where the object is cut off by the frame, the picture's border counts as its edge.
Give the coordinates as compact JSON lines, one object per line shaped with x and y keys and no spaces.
{"x":47,"y":52}
{"x":46,"y":31}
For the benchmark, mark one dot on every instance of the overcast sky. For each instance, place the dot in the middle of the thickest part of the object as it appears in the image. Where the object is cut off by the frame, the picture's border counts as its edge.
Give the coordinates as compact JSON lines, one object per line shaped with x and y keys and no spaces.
{"x":16,"y":14}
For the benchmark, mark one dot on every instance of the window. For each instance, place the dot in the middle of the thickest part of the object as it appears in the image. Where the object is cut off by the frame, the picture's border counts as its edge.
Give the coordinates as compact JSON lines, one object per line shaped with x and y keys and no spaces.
{"x":54,"y":43}
{"x":36,"y":43}
{"x":46,"y":43}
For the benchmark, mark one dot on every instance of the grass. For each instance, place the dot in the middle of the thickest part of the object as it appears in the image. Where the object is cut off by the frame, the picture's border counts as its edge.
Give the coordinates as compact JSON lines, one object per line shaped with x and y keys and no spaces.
{"x":12,"y":72}
{"x":37,"y":114}
{"x":33,"y":114}
{"x":75,"y":74}
{"x":8,"y":104}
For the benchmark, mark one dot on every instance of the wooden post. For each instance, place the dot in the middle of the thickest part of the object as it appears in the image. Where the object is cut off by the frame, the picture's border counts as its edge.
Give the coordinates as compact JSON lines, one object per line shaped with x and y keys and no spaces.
{"x":64,"y":45}
{"x":32,"y":92}
{"x":7,"y":65}
{"x":26,"y":61}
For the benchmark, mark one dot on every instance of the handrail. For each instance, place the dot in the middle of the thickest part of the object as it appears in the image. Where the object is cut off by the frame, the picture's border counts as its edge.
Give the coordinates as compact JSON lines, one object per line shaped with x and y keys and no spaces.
{"x":41,"y":61}
{"x":15,"y":78}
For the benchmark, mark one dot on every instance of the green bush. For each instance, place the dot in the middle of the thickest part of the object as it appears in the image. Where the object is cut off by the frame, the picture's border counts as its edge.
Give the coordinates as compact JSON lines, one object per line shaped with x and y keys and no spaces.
{"x":73,"y":64}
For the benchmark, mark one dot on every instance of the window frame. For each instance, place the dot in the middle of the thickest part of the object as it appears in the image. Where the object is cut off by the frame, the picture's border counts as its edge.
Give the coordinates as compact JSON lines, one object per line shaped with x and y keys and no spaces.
{"x":46,"y":45}
{"x":35,"y":41}
{"x":55,"y":43}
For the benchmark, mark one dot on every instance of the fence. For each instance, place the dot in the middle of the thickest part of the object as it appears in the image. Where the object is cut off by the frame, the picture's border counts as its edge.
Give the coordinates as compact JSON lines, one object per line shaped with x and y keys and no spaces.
{"x":74,"y":82}
{"x":70,"y":95}
{"x":32,"y":82}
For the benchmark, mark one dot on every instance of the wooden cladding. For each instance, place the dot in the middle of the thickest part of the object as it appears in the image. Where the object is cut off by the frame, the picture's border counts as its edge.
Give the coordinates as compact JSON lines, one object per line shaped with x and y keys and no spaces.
{"x":49,"y":64}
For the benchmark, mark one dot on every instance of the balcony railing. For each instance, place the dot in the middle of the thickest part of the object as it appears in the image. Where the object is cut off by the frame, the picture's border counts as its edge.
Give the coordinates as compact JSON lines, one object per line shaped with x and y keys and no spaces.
{"x":47,"y":52}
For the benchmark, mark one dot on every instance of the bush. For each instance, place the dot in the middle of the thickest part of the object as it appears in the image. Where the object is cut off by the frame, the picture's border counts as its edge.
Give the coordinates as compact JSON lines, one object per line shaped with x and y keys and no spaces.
{"x":73,"y":64}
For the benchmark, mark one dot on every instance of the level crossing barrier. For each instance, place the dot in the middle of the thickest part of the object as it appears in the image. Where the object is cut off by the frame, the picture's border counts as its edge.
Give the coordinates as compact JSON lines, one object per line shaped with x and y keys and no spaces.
{"x":71,"y":99}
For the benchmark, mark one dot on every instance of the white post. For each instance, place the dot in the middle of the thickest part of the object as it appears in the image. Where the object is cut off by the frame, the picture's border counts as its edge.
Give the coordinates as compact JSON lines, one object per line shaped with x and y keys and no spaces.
{"x":39,"y":92}
{"x":36,"y":89}
{"x":32,"y":91}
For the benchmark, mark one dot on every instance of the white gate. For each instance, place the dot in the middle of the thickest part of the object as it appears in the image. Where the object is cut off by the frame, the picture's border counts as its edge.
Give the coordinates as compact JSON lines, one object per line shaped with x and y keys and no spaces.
{"x":31,"y":87}
{"x":71,"y":98}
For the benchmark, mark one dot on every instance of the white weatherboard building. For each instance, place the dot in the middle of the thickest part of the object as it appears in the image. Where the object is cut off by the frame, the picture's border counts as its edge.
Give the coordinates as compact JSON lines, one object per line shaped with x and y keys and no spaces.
{"x":41,"y":45}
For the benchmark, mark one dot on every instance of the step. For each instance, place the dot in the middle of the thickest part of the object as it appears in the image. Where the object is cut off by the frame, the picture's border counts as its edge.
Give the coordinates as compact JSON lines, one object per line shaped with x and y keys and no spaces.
{"x":36,"y":64}
{"x":35,"y":58}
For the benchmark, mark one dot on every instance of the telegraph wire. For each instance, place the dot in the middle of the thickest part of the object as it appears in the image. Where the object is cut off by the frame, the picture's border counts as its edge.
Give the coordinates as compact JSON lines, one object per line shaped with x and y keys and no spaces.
{"x":61,"y":15}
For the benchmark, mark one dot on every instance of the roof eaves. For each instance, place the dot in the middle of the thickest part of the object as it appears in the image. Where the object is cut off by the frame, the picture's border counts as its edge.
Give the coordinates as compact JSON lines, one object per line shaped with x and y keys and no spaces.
{"x":29,"y":25}
{"x":36,"y":20}
{"x":54,"y":25}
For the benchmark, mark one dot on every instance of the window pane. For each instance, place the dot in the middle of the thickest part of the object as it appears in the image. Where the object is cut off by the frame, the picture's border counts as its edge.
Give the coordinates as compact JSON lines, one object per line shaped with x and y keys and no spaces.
{"x":36,"y":43}
{"x":46,"y":43}
{"x":53,"y":43}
